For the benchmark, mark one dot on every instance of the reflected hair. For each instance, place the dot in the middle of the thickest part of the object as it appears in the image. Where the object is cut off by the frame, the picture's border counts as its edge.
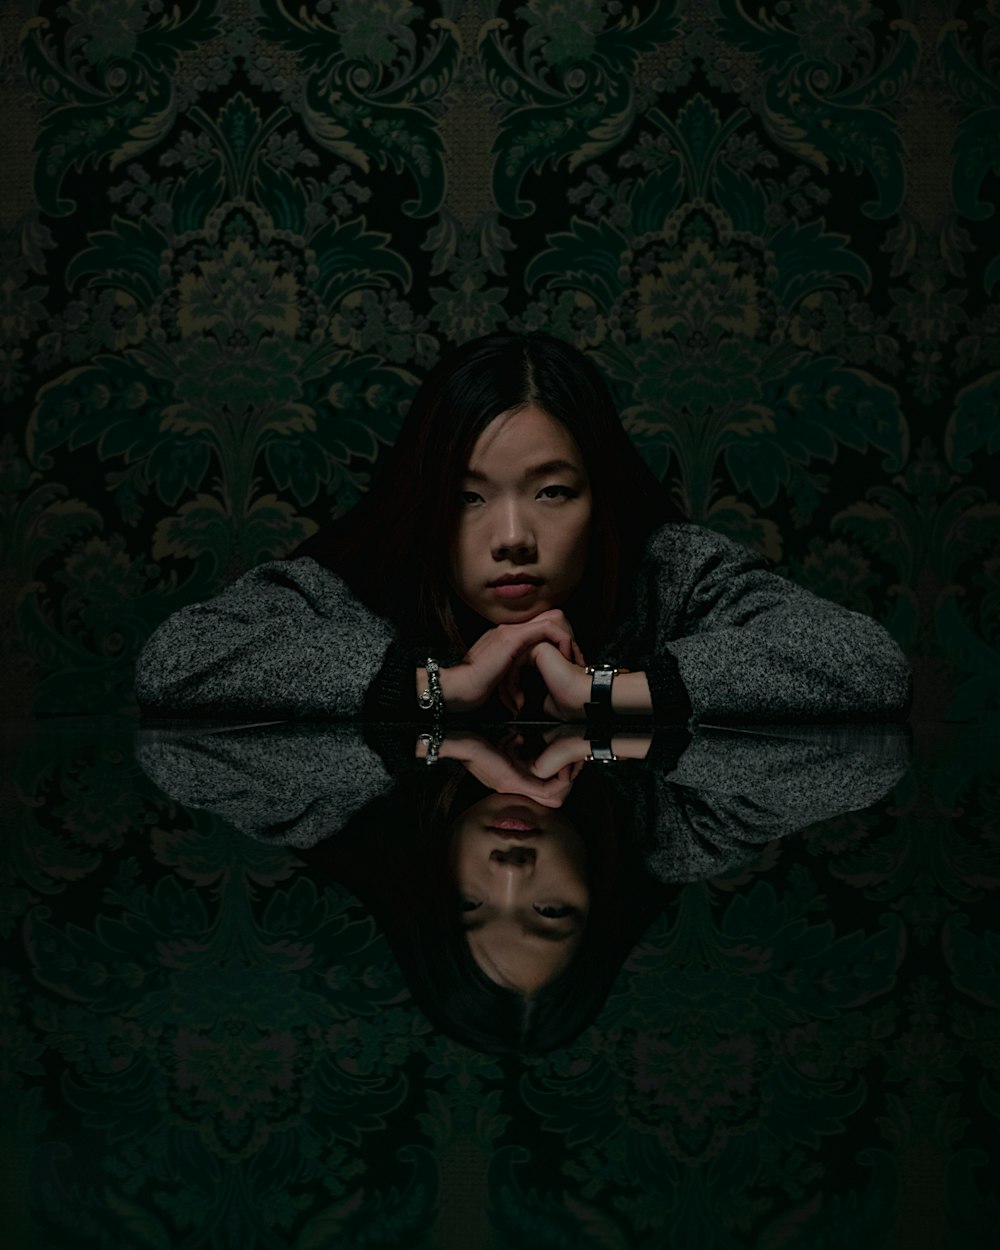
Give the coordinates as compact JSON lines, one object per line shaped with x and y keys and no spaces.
{"x":421,"y":918}
{"x":410,"y":514}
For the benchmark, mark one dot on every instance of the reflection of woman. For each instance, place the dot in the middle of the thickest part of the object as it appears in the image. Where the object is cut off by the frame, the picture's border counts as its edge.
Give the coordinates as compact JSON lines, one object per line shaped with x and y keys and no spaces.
{"x":511,"y":915}
{"x":514,"y":533}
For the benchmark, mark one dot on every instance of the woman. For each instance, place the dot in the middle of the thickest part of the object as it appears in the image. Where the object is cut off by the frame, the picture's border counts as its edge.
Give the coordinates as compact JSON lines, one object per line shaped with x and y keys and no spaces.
{"x":515,"y":535}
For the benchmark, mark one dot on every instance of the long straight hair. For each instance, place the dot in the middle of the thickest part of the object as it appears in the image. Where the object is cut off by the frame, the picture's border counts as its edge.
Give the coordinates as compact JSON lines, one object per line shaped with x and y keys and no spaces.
{"x":393,"y":548}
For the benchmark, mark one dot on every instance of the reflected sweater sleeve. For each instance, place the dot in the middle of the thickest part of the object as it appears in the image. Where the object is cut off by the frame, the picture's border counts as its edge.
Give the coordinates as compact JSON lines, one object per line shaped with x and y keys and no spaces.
{"x":751,"y":645}
{"x":287,"y":639}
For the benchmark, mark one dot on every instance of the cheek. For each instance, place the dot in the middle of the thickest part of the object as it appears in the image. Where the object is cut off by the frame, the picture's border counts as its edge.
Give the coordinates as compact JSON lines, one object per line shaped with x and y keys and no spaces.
{"x":578,"y":544}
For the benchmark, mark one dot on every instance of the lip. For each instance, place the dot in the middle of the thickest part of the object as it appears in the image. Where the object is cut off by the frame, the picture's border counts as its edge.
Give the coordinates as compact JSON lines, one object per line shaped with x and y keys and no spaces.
{"x":514,"y":590}
{"x":514,"y":819}
{"x":512,"y":824}
{"x":520,"y":581}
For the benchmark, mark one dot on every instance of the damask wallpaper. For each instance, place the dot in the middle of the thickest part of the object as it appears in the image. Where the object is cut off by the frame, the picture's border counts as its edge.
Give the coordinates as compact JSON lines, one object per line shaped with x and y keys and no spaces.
{"x":236,"y":233}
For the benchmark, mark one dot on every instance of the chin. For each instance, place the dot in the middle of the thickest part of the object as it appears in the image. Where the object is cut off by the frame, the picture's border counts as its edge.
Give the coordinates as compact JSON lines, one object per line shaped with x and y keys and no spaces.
{"x":500,"y":615}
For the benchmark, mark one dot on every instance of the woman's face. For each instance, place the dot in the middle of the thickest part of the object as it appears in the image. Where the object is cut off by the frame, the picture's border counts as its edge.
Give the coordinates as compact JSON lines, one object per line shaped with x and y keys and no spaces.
{"x":521,"y":538}
{"x":520,"y":869}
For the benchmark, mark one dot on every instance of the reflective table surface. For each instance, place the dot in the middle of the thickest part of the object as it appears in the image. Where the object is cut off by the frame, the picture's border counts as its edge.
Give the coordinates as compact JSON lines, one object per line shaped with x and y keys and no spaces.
{"x":214,"y":1035}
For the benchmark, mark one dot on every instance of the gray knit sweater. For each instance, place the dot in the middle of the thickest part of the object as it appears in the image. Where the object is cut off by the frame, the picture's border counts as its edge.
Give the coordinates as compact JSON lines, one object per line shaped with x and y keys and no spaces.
{"x":720,"y":637}
{"x":728,"y":794}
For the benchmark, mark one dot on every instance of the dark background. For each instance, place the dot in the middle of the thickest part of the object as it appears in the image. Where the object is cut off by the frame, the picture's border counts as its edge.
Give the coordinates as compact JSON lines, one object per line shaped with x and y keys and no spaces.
{"x":235,"y":236}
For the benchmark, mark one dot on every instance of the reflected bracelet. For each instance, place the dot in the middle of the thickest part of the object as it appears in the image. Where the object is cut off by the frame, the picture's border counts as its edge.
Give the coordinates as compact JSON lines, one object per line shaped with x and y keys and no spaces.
{"x":432,"y":741}
{"x":432,"y":700}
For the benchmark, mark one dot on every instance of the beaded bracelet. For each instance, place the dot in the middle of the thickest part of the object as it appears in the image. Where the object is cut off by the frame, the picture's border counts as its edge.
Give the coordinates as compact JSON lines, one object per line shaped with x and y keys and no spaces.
{"x":432,"y":700}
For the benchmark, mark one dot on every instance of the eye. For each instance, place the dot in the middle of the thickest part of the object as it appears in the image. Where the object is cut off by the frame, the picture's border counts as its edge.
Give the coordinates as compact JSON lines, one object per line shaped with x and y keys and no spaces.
{"x":555,"y":913}
{"x":557,"y":492}
{"x":466,"y":904}
{"x":469,"y":498}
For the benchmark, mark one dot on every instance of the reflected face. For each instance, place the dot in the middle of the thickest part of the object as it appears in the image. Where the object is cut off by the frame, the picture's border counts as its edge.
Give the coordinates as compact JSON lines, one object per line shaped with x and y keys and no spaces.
{"x":520,"y":869}
{"x":521,"y":537}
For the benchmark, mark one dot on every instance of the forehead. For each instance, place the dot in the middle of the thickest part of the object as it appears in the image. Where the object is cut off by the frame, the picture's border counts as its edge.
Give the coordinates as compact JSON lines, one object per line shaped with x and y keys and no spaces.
{"x":518,"y":440}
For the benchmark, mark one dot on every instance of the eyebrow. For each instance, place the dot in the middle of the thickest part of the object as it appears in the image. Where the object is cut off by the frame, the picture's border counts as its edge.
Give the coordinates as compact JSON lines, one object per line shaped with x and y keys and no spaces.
{"x":540,"y":470}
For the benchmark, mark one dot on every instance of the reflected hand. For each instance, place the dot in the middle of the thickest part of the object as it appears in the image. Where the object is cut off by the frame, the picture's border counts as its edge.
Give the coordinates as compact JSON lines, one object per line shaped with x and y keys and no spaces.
{"x":568,"y":749}
{"x":501,"y":769}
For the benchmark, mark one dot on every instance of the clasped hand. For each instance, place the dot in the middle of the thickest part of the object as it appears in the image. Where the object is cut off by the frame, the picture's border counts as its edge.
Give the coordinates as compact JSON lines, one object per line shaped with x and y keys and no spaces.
{"x":497,"y":660}
{"x":548,"y":778}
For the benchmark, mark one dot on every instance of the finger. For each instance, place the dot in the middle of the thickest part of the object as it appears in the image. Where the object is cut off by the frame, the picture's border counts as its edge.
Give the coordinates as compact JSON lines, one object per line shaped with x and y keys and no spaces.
{"x":556,"y":757}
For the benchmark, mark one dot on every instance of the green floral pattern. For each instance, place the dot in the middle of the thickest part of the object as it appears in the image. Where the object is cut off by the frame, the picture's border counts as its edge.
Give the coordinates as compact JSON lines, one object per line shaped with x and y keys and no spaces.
{"x":235,"y":236}
{"x":205,"y":1043}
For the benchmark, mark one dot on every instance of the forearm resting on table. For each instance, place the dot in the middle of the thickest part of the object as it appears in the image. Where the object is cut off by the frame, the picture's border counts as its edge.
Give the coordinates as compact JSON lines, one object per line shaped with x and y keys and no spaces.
{"x":630,"y":694}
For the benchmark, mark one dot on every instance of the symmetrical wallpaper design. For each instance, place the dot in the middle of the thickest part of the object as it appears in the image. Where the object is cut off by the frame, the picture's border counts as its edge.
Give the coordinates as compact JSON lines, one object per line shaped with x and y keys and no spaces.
{"x":205,"y":1043}
{"x":235,"y":235}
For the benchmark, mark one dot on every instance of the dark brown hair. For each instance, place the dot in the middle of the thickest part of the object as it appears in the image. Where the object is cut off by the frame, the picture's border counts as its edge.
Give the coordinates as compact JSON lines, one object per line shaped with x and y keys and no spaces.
{"x":393,"y":548}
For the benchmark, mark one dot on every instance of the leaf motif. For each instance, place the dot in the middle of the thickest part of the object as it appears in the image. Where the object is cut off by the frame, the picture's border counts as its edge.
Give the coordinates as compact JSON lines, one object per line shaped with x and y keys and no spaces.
{"x":42,"y":524}
{"x":145,"y":135}
{"x":334,"y":137}
{"x":774,"y":45}
{"x":86,"y":133}
{"x":178,"y":31}
{"x":299,"y":466}
{"x":177,"y":466}
{"x":743,"y":199}
{"x":813,"y":408}
{"x":530,"y":139}
{"x":881,"y":530}
{"x":283,"y":197}
{"x":992,"y":275}
{"x":655,"y":197}
{"x":977,"y":151}
{"x":195,"y":196}
{"x":974,"y":423}
{"x":137,"y":1225}
{"x":126,"y":257}
{"x":587,"y":256}
{"x":349,"y":256}
{"x":272,"y":528}
{"x":737,"y":520}
{"x":201,"y":525}
{"x":326,"y":1227}
{"x":809,"y":258}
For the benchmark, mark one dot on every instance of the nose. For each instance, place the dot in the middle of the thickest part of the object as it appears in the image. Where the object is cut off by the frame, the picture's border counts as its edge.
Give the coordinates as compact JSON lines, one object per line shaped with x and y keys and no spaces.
{"x":513,"y":535}
{"x":514,"y":857}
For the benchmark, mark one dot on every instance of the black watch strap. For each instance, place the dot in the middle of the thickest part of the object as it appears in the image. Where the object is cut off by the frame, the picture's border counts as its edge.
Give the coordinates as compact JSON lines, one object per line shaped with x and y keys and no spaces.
{"x":602,"y":678}
{"x":600,"y":750}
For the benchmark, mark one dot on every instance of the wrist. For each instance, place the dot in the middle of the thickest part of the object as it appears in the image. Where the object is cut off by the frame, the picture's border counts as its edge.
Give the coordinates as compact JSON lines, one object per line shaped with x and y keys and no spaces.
{"x":454,"y":690}
{"x":630,"y":695}
{"x":582,"y":697}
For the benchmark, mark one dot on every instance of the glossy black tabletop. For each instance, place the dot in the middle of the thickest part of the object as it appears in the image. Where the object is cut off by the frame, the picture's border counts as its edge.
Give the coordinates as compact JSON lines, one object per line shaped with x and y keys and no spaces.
{"x":208,"y":1040}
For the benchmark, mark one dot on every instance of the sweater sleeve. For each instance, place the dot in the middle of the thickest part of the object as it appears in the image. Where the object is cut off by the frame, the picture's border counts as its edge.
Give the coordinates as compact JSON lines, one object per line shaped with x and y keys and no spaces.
{"x":733,"y":791}
{"x":751,"y":645}
{"x":287,"y":639}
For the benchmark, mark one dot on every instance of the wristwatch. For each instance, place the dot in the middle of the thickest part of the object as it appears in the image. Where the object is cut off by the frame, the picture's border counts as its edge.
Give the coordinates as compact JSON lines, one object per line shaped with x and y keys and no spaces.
{"x":599,"y":709}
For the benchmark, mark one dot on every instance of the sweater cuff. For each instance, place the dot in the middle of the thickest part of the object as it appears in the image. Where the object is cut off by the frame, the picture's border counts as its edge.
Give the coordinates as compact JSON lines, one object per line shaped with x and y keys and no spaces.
{"x":671,"y":704}
{"x":391,"y":695}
